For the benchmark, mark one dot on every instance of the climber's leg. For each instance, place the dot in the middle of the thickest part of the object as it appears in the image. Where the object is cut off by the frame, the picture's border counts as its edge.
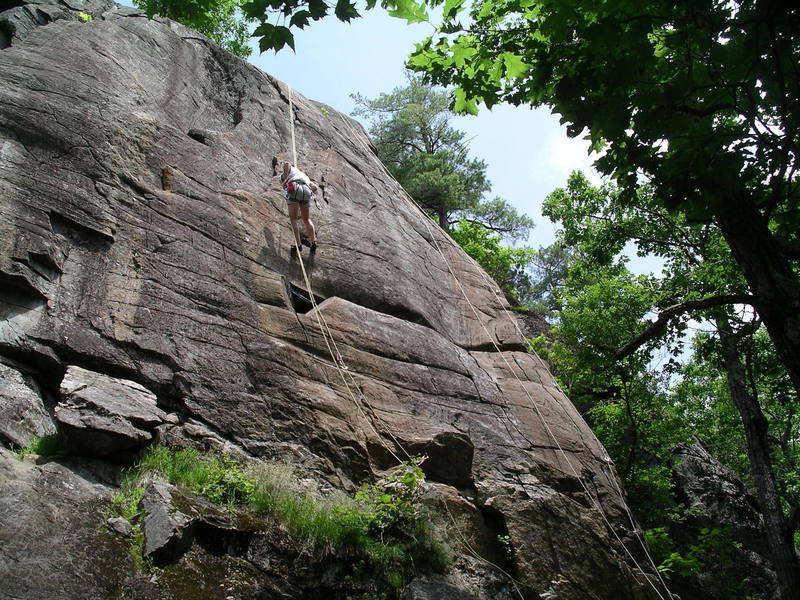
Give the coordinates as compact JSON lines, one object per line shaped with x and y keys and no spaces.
{"x":311,"y":231}
{"x":294,"y":217}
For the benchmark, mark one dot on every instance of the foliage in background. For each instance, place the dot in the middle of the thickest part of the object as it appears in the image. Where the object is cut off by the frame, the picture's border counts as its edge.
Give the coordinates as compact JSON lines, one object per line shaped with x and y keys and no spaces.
{"x":548,"y":272}
{"x":714,"y":548}
{"x":612,"y":324}
{"x":508,"y":266}
{"x":411,"y":128}
{"x":383,"y":524}
{"x":220,"y":20}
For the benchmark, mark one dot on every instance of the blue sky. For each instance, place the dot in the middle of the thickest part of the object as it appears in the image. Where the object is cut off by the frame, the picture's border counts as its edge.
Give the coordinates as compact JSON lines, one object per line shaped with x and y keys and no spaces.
{"x":528,"y":153}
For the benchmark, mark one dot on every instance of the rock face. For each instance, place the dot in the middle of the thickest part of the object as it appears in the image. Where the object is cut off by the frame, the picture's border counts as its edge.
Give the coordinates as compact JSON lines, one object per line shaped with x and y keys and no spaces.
{"x":718,"y":500}
{"x":102,"y":416}
{"x":143,"y":237}
{"x":22,"y":405}
{"x":50,"y":519}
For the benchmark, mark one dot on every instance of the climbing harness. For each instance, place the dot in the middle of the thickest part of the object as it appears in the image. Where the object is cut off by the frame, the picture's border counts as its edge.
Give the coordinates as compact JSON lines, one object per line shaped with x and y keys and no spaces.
{"x":299,"y":192}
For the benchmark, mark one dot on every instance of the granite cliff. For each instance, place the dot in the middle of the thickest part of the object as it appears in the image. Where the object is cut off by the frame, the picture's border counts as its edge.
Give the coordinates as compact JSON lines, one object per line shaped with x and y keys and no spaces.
{"x":148,"y":292}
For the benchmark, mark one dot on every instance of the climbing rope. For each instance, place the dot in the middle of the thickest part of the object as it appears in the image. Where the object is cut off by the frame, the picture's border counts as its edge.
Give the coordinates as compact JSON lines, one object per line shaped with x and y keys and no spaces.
{"x":338,"y":361}
{"x":594,"y":501}
{"x":327,"y":335}
{"x":291,"y":129}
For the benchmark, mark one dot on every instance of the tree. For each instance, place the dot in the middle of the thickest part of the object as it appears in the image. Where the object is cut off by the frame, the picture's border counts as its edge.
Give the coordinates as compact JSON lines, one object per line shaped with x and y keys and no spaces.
{"x":701,"y":100}
{"x":220,"y":20}
{"x":548,"y":271}
{"x":508,"y":266}
{"x":411,"y":128}
{"x":699,"y":279}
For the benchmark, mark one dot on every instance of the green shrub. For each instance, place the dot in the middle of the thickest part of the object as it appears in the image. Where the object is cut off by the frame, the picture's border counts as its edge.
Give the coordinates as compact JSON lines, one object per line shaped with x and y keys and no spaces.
{"x":383,"y":524}
{"x":48,"y":446}
{"x":711,"y":554}
{"x":408,"y":542}
{"x":216,"y":477}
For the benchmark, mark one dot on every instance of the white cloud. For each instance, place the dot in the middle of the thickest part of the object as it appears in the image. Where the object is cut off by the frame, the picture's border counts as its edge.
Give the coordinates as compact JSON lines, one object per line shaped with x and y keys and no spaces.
{"x":562,"y":155}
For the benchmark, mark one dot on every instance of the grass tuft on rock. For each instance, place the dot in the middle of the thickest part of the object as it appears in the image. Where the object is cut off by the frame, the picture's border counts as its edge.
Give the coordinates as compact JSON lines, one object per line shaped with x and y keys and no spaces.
{"x":47,"y":446}
{"x":382,"y":526}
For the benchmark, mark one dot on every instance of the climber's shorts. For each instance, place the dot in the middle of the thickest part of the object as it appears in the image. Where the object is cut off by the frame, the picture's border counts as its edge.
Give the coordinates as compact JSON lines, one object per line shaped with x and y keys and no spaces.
{"x":298,"y":193}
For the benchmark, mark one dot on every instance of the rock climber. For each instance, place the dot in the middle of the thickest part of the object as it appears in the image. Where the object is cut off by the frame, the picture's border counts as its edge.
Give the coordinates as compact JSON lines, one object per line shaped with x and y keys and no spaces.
{"x":299,"y":193}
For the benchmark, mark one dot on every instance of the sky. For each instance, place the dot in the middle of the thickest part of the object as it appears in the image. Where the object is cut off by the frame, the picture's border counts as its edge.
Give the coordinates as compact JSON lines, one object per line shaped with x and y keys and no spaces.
{"x":528,"y":154}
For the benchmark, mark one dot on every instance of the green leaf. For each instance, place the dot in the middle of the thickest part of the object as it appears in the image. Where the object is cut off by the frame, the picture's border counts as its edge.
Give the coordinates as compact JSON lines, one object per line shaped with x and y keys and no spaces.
{"x":411,"y":11}
{"x":452,"y":8}
{"x":515,"y":66}
{"x":420,"y":60}
{"x":274,"y":37}
{"x":463,"y":104}
{"x":463,"y":50}
{"x":346,"y":11}
{"x":317,"y":8}
{"x":300,"y":19}
{"x":487,"y":10}
{"x":253,"y":9}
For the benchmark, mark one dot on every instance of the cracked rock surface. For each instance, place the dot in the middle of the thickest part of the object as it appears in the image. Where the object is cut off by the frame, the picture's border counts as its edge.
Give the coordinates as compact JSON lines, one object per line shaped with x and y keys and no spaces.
{"x":144,"y":237}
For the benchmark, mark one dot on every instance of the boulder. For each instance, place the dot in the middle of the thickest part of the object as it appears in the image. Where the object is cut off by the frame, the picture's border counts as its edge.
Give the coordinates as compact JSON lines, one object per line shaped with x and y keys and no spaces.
{"x":716,"y":493}
{"x":23,"y":415}
{"x":52,"y":539}
{"x":168,"y":532}
{"x":719,"y":500}
{"x":102,"y":416}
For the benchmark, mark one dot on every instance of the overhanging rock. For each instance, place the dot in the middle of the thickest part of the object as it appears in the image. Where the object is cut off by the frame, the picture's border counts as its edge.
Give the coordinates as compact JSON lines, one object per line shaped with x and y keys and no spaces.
{"x":103,"y":416}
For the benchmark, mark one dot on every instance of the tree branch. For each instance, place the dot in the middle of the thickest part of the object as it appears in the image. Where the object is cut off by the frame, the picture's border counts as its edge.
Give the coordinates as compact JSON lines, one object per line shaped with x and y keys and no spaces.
{"x":488,"y":224}
{"x":657,"y":326}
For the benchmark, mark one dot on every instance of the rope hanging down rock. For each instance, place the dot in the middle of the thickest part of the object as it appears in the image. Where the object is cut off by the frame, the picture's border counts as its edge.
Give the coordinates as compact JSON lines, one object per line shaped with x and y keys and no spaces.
{"x":338,"y":361}
{"x":327,"y":335}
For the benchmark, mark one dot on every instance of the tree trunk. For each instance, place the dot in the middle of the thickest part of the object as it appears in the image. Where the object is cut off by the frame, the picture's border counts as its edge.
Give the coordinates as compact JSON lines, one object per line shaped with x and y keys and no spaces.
{"x":770,"y":276}
{"x":779,"y":539}
{"x":441,"y":213}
